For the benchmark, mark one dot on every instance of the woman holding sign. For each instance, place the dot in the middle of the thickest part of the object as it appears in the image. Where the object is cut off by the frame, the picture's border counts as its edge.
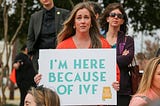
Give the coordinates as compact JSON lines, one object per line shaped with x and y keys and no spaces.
{"x":81,"y":31}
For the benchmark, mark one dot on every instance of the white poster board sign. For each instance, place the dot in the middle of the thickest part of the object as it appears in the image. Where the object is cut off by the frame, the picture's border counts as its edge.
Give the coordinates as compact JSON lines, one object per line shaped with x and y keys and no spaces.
{"x":80,"y":76}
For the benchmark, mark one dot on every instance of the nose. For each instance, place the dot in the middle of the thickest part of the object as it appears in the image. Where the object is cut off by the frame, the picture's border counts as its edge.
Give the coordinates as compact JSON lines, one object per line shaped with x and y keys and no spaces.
{"x":82,"y":20}
{"x":116,"y":16}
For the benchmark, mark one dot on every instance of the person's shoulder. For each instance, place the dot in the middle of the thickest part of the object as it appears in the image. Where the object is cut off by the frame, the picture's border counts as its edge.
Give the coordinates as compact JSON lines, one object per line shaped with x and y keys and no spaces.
{"x":36,"y":13}
{"x":129,"y":37}
{"x":137,"y":101}
{"x":105,"y":43}
{"x":66,"y":44}
{"x":62,"y":10}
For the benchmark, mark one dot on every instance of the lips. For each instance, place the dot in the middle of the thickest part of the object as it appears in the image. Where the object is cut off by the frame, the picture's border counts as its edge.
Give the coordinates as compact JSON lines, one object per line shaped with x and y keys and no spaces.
{"x":82,"y":27}
{"x":115,"y":22}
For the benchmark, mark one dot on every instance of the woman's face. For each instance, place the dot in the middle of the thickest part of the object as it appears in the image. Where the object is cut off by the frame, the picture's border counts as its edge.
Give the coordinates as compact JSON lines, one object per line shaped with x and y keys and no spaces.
{"x":82,"y":20}
{"x":29,"y":100}
{"x":115,"y":18}
{"x":156,"y":78}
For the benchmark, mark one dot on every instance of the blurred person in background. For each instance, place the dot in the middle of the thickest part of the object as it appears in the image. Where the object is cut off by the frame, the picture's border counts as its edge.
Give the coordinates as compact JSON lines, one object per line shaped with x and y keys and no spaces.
{"x":113,"y":23}
{"x":24,"y":73}
{"x":149,"y":87}
{"x":43,"y":28}
{"x":96,"y":8}
{"x":41,"y":96}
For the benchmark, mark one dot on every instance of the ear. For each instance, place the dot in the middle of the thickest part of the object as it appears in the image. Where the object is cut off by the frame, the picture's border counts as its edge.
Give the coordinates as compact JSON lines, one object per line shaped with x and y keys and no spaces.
{"x":97,"y":16}
{"x":122,"y":21}
{"x":107,"y":19}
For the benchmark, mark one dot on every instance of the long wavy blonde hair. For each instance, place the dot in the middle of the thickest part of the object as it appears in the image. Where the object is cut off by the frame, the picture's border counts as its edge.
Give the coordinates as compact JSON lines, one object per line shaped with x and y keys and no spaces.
{"x":69,"y":31}
{"x":147,"y":78}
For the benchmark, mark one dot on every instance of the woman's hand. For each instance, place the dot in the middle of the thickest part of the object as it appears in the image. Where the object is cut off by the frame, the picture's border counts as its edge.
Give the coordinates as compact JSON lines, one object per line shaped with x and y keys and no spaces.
{"x":37,"y":78}
{"x":116,"y":85}
{"x":125,"y":52}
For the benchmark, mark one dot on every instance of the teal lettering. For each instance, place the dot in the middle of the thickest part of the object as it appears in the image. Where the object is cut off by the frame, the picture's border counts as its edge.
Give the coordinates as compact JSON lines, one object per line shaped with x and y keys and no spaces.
{"x":86,"y":77}
{"x":60,"y":76}
{"x":63,"y":65}
{"x":87,"y":89}
{"x":94,"y":86}
{"x":95,"y":76}
{"x":77,"y":78}
{"x":67,"y":76}
{"x":77,"y":64}
{"x":52,"y":77}
{"x":103,"y":76}
{"x":93,"y":63}
{"x":51,"y":64}
{"x":101,"y":63}
{"x":85,"y":64}
{"x":80,"y":89}
{"x":62,"y":89}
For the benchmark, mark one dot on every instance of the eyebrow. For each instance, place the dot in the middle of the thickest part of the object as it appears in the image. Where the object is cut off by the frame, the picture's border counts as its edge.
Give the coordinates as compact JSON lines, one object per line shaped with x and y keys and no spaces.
{"x":28,"y":102}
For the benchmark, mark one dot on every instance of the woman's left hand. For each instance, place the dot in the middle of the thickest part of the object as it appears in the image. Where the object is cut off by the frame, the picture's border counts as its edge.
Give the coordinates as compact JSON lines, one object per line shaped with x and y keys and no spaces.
{"x":125,"y":52}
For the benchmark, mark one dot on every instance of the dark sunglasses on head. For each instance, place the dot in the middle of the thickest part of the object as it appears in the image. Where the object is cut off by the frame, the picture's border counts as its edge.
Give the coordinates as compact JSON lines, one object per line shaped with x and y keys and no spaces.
{"x":120,"y":16}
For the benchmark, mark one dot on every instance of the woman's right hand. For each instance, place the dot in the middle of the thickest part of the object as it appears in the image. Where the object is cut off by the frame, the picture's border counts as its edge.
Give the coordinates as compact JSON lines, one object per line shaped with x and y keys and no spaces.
{"x":37,"y":78}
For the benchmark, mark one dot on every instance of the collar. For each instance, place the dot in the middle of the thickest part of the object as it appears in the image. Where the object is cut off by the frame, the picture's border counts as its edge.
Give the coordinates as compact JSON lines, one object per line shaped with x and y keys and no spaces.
{"x":52,"y":10}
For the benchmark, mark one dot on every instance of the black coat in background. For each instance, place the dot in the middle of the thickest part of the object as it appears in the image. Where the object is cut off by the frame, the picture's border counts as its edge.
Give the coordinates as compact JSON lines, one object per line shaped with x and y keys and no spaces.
{"x":34,"y":31}
{"x":24,"y":75}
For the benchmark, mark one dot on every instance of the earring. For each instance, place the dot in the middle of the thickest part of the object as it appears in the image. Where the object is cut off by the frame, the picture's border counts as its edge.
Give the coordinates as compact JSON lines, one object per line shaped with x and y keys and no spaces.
{"x":74,"y":27}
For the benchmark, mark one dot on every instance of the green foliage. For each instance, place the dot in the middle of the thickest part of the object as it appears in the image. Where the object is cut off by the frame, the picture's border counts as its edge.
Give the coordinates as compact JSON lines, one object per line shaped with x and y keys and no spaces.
{"x":144,"y":15}
{"x":106,"y":2}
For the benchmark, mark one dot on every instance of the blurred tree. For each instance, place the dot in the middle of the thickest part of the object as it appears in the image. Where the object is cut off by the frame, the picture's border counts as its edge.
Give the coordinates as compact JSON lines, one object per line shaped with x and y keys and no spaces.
{"x":5,"y":53}
{"x":151,"y":49}
{"x":144,"y":15}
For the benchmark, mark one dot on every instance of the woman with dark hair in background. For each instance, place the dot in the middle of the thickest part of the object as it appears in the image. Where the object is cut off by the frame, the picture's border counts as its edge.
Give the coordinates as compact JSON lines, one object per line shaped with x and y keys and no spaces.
{"x":114,"y":27}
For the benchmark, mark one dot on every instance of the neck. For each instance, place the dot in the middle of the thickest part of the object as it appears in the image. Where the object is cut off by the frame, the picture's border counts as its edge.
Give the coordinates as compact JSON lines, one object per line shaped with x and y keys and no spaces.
{"x":82,"y":36}
{"x":82,"y":41}
{"x":111,"y":36}
{"x":112,"y":33}
{"x":24,"y":52}
{"x":156,"y":90}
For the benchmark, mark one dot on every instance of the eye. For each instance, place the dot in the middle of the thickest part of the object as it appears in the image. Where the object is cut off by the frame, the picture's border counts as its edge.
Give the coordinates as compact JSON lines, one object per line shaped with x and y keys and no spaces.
{"x":78,"y":17}
{"x":86,"y":17}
